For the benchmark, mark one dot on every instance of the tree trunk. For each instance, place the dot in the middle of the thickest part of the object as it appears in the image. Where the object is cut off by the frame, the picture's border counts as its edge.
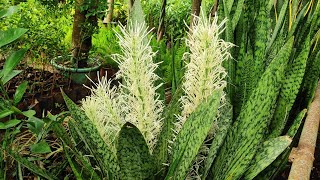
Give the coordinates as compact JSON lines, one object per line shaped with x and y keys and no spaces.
{"x":160,"y":32}
{"x":109,"y":14}
{"x":214,"y":8}
{"x":195,"y":11}
{"x":130,"y":4}
{"x":302,"y":157}
{"x":82,"y":34}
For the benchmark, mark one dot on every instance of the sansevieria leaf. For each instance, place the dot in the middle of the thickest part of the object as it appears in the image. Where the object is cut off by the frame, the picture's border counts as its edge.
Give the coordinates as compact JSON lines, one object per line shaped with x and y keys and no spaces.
{"x":224,"y":123}
{"x":247,"y":133}
{"x":289,"y":90}
{"x":267,"y":153}
{"x":192,"y":136}
{"x":133,"y":154}
{"x":105,"y":156}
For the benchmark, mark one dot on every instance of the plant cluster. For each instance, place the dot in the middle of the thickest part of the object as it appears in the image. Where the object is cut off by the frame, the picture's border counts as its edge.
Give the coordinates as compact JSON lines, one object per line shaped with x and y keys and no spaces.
{"x":240,"y":85}
{"x":47,"y":28}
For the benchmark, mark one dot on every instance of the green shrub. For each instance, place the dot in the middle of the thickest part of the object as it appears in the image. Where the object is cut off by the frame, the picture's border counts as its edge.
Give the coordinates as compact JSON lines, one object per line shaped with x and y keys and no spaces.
{"x":47,"y":28}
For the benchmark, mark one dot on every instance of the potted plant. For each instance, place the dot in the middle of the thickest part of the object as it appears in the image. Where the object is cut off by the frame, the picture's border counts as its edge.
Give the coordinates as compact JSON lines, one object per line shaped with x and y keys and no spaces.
{"x":78,"y":64}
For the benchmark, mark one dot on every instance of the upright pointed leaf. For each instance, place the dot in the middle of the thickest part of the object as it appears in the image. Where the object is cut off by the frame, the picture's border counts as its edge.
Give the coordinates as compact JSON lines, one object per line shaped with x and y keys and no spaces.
{"x":133,"y":154}
{"x":247,"y":133}
{"x":161,"y":151}
{"x":267,"y":153}
{"x":224,"y":123}
{"x":289,"y":90}
{"x":192,"y":136}
{"x":105,"y":156}
{"x":136,"y":14}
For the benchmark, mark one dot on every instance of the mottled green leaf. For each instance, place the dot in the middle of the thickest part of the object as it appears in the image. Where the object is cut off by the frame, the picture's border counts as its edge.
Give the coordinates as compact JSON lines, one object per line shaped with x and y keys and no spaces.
{"x":289,"y":90}
{"x":102,"y":152}
{"x":296,"y":123}
{"x":192,"y":135}
{"x":133,"y":154}
{"x":224,"y":123}
{"x":266,"y":154}
{"x":247,"y":133}
{"x":161,"y":151}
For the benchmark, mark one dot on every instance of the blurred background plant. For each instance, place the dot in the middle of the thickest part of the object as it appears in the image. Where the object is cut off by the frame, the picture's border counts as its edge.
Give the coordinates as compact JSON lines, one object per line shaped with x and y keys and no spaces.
{"x":47,"y":28}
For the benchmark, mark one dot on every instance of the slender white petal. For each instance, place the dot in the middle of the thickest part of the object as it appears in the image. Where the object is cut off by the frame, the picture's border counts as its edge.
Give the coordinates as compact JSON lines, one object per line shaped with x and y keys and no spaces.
{"x":137,"y":70}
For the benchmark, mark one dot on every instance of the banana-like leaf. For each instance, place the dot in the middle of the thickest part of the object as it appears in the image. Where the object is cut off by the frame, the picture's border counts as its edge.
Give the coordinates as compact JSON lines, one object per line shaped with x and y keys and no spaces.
{"x":10,"y":35}
{"x":11,"y":75}
{"x":11,"y":63}
{"x":192,"y":135}
{"x":133,"y":154}
{"x":266,"y":154}
{"x":8,"y":12}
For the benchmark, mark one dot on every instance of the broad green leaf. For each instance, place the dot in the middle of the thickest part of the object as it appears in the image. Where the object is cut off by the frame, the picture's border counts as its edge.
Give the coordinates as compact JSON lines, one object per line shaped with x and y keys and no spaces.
{"x":20,"y":92}
{"x":192,"y":135}
{"x":9,"y":124}
{"x":12,"y":62}
{"x":5,"y":113}
{"x":35,"y":125}
{"x":133,"y":154}
{"x":8,"y":12}
{"x":29,"y":113}
{"x":40,"y":148}
{"x":10,"y":35}
{"x":268,"y":152}
{"x":11,"y":75}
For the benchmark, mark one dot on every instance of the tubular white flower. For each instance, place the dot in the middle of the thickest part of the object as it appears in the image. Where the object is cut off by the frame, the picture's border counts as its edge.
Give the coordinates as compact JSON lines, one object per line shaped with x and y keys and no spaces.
{"x":204,"y":73}
{"x":137,"y":70}
{"x":103,"y":109}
